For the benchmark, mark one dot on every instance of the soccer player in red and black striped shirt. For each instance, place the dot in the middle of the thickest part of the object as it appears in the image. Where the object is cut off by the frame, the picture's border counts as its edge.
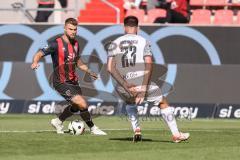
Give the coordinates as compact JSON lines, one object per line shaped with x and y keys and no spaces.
{"x":64,"y":51}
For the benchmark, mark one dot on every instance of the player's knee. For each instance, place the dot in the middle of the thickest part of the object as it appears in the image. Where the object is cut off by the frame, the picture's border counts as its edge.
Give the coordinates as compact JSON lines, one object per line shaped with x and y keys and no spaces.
{"x":79,"y":101}
{"x":74,"y":108}
{"x":163,"y":104}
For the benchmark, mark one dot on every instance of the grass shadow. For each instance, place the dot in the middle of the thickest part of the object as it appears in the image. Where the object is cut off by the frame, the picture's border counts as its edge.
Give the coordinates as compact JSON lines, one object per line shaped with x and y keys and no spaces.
{"x":143,"y":140}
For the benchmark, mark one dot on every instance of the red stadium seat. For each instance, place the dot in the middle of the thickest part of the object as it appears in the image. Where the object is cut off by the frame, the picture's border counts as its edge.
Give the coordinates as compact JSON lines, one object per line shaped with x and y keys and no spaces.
{"x":216,"y":2}
{"x":155,"y":13}
{"x":98,"y":12}
{"x":234,"y":4}
{"x":201,"y":16}
{"x":223,"y":17}
{"x":139,"y":13}
{"x":197,"y":2}
{"x":238,"y":18}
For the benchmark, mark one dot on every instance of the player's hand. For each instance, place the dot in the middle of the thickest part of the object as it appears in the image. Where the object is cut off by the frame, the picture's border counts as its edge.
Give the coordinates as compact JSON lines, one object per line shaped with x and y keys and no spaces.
{"x":34,"y":66}
{"x":141,"y":94}
{"x":93,"y":75}
{"x":131,"y":89}
{"x":140,"y":97}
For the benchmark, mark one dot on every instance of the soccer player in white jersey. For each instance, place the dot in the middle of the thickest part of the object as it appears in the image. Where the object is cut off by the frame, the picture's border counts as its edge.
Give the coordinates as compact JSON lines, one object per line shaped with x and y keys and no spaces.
{"x":130,"y":64}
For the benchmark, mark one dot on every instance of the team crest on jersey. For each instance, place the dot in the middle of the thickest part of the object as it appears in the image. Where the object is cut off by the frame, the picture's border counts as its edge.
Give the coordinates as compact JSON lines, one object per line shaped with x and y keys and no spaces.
{"x":68,"y":93}
{"x":46,"y":47}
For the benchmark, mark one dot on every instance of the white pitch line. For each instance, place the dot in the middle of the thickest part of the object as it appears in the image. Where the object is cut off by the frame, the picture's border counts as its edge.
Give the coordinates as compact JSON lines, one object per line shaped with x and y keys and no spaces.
{"x":111,"y":129}
{"x":31,"y":131}
{"x":40,"y":131}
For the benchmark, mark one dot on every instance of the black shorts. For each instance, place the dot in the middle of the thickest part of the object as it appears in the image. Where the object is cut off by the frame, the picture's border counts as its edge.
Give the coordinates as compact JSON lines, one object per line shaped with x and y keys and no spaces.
{"x":68,"y":90}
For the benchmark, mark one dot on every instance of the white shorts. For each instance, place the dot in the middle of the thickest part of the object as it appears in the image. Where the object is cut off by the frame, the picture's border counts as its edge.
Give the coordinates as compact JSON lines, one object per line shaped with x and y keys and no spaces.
{"x":153,"y":95}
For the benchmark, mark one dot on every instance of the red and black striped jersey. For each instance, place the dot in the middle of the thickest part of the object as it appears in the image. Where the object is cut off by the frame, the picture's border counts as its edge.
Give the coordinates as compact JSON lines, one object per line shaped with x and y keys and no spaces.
{"x":64,"y":58}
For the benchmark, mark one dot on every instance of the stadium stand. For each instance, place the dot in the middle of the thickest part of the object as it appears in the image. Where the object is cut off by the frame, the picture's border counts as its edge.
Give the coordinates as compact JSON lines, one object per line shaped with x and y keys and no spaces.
{"x":97,"y":11}
{"x":200,"y":3}
{"x":223,"y":17}
{"x":209,"y":12}
{"x":216,"y":2}
{"x":237,"y":22}
{"x":139,"y":13}
{"x":11,"y":15}
{"x":201,"y":16}
{"x":155,"y":13}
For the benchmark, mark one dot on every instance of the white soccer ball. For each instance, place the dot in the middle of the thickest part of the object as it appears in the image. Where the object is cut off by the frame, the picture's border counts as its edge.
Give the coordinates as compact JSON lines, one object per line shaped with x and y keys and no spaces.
{"x":76,"y":127}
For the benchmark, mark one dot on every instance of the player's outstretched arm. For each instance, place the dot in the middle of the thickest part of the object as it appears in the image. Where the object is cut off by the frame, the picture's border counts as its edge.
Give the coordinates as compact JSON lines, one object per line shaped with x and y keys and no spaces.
{"x":36,"y":59}
{"x":85,"y":68}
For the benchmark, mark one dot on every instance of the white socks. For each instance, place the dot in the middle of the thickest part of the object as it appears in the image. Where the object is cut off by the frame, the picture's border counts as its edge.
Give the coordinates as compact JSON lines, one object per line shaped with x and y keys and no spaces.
{"x":132,"y":115}
{"x":169,"y":118}
{"x":167,"y":114}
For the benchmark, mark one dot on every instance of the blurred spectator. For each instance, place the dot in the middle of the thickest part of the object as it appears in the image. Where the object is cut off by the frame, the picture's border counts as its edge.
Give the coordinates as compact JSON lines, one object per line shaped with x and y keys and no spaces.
{"x":178,"y":11}
{"x":234,"y":1}
{"x":155,"y":3}
{"x":42,"y":16}
{"x":131,"y":4}
{"x":135,"y":4}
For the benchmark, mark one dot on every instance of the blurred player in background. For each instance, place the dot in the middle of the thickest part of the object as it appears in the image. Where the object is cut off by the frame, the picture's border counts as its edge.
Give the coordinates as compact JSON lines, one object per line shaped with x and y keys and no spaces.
{"x":42,"y":16}
{"x":130,"y":64}
{"x":64,"y":51}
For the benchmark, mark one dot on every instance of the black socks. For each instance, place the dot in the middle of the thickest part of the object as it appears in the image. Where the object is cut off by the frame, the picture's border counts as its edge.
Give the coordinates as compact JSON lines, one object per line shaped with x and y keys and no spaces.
{"x":86,"y":117}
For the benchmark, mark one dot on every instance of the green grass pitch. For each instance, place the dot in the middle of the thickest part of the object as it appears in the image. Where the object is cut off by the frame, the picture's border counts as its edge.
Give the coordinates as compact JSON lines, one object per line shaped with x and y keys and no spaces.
{"x":25,"y":137}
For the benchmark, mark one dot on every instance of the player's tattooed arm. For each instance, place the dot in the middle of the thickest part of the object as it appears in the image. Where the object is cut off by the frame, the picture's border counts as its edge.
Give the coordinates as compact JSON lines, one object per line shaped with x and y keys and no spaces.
{"x":111,"y":67}
{"x":36,"y":59}
{"x":85,"y":68}
{"x":147,"y":75}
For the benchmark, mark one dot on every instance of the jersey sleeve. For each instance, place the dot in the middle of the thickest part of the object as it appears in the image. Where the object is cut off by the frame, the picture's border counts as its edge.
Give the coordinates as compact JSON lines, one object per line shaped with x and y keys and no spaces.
{"x":50,"y":48}
{"x":111,"y":49}
{"x":147,"y":49}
